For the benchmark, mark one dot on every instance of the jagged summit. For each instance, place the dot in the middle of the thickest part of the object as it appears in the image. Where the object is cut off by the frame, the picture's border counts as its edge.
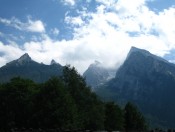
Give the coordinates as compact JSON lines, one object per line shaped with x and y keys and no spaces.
{"x":25,"y":58}
{"x":96,"y":74}
{"x":145,"y":53}
{"x":148,"y":81}
{"x":135,"y":49}
{"x":27,"y":68}
{"x":53,"y":62}
{"x":96,"y":64}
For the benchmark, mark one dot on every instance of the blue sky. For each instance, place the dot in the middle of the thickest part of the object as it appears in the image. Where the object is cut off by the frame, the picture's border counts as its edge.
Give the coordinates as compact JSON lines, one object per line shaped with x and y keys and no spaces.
{"x":78,"y":32}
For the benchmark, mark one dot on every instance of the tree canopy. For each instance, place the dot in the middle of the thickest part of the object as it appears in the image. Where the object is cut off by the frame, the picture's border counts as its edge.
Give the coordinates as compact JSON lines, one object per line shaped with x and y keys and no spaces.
{"x":64,"y":103}
{"x":134,"y":120}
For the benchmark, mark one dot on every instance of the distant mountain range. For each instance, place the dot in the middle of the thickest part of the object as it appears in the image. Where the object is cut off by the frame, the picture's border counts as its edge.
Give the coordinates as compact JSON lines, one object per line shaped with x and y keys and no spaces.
{"x":144,"y":79}
{"x":148,"y":81}
{"x":25,"y":67}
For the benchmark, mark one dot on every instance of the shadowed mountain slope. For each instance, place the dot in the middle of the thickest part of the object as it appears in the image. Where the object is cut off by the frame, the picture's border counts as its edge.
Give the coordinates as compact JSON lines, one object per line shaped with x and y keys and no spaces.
{"x":25,"y":67}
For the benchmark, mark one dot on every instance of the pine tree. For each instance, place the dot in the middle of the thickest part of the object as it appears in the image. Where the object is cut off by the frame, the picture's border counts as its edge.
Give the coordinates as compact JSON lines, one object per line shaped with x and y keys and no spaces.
{"x":90,"y":108}
{"x":54,"y":107}
{"x":113,"y":117}
{"x":134,"y":120}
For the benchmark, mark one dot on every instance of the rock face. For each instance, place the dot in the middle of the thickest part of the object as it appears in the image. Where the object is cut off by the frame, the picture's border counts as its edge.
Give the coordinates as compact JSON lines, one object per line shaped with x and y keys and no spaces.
{"x":53,"y":62}
{"x":23,"y":60}
{"x":148,"y":81}
{"x":27,"y":68}
{"x":97,"y":75}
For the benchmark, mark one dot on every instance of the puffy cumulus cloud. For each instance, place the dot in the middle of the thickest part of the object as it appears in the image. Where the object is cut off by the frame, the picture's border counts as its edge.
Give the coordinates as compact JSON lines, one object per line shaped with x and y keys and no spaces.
{"x":105,"y":35}
{"x":164,"y":26}
{"x":29,"y":26}
{"x":8,"y":52}
{"x":64,"y":52}
{"x":108,"y":33}
{"x":35,"y":26}
{"x":76,"y":52}
{"x":75,"y":21}
{"x":2,"y":61}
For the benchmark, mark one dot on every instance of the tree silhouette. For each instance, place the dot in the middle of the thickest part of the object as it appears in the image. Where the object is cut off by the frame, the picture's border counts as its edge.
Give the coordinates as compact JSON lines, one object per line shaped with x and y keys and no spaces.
{"x":113,"y":117}
{"x":134,"y":120}
{"x":66,"y":103}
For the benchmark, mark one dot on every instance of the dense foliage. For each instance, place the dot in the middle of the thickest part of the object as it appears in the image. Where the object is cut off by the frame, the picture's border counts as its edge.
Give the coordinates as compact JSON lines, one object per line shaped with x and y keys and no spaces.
{"x":64,"y":103}
{"x":133,"y":118}
{"x":114,"y":119}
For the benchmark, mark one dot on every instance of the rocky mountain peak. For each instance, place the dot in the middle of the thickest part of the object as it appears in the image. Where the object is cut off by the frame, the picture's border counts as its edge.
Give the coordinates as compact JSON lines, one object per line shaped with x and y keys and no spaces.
{"x":135,"y":49}
{"x":27,"y":68}
{"x":95,"y":64}
{"x":24,"y":58}
{"x":144,"y":53}
{"x":148,"y":81}
{"x":96,"y":74}
{"x":141,"y":51}
{"x":53,"y":62}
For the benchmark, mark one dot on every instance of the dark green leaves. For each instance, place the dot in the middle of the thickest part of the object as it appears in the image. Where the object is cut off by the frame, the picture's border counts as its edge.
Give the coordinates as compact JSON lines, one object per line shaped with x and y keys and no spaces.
{"x":65,"y":103}
{"x":134,"y":120}
{"x":114,"y":119}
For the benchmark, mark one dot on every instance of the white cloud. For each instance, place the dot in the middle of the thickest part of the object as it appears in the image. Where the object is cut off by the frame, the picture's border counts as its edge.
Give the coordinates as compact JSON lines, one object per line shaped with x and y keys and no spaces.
{"x":107,"y":2}
{"x":9,"y":51}
{"x":69,"y":2}
{"x":2,"y":60}
{"x":105,"y":35}
{"x":55,"y":31}
{"x":35,"y":26}
{"x":116,"y":26}
{"x":30,"y":25}
{"x":76,"y":21}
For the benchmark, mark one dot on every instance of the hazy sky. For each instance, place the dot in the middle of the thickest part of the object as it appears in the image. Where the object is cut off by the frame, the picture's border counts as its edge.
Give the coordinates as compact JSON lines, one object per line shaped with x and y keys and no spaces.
{"x":78,"y":32}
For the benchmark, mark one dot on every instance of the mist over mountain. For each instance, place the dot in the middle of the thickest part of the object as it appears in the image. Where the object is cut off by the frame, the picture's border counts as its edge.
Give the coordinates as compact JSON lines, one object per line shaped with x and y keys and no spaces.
{"x":25,"y":67}
{"x":97,"y":74}
{"x":148,"y":81}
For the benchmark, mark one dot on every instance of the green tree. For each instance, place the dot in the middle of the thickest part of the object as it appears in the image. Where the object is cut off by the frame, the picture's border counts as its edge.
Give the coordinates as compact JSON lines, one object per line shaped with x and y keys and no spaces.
{"x":114,"y":119}
{"x":65,"y":103}
{"x":90,"y":108}
{"x":54,"y":107}
{"x":134,"y":120}
{"x":15,"y":98}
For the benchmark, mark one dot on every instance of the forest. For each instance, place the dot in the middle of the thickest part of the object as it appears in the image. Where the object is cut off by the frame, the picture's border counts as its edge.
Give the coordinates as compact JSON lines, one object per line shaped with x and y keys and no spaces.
{"x":64,"y":103}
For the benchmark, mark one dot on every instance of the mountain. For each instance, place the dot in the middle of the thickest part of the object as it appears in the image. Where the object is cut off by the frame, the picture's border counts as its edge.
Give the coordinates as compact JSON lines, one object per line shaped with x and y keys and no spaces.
{"x":97,"y":75}
{"x":27,"y":68}
{"x":148,"y":81}
{"x":53,"y":62}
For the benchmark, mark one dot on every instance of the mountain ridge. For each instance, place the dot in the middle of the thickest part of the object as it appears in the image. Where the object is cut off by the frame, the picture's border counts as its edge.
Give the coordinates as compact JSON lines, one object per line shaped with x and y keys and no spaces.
{"x":25,"y":67}
{"x":148,"y":81}
{"x":146,"y":53}
{"x":144,"y":79}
